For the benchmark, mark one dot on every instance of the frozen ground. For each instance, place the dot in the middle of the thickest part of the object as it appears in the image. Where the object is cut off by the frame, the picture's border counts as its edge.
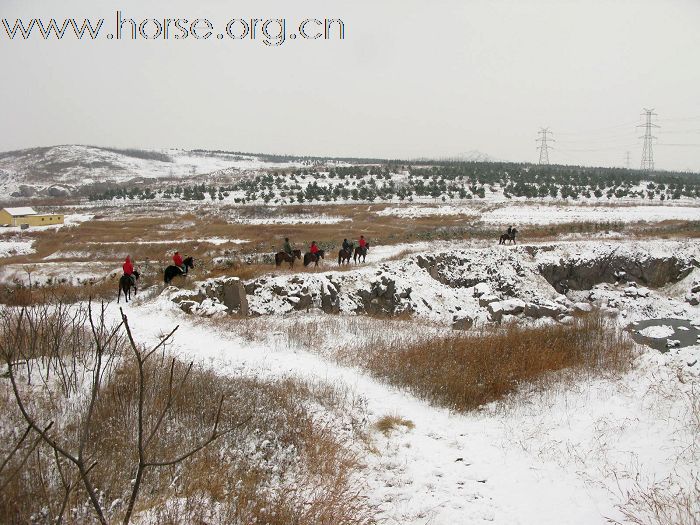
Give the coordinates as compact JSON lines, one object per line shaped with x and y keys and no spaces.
{"x":568,"y":455}
{"x":528,"y":214}
{"x":565,"y":456}
{"x":12,"y":247}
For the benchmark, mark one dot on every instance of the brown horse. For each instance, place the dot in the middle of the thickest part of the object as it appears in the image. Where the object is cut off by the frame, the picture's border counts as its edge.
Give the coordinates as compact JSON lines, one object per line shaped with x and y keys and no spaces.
{"x":361,"y":252}
{"x":311,"y":258}
{"x":505,"y":237}
{"x":344,"y":256}
{"x":281,"y":257}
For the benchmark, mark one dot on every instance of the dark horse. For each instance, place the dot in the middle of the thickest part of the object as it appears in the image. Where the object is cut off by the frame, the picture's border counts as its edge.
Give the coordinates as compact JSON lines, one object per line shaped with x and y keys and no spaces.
{"x":173,"y":271}
{"x":311,"y":258}
{"x":361,"y":252}
{"x":281,"y":257}
{"x":344,"y":256}
{"x":126,"y":283}
{"x":506,"y":237}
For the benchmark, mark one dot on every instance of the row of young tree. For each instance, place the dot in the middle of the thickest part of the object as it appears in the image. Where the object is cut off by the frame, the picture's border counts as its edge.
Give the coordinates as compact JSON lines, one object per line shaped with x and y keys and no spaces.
{"x":452,"y":181}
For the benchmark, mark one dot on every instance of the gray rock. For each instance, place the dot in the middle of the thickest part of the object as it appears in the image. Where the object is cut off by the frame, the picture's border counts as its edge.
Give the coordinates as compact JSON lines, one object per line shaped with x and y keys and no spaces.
{"x":539,"y":310}
{"x":234,"y":296}
{"x":486,"y":300}
{"x":462,"y":322}
{"x":188,"y":306}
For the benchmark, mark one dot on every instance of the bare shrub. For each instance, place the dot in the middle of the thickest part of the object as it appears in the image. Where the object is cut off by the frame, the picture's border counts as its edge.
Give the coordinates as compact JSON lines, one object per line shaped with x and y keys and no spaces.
{"x":140,"y":433}
{"x":667,"y":502}
{"x":463,"y":372}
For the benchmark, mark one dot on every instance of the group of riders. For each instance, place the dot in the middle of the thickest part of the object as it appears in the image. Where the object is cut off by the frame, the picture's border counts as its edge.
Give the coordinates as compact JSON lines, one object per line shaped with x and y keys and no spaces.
{"x":179,"y":262}
{"x":314,"y":253}
{"x":131,"y":273}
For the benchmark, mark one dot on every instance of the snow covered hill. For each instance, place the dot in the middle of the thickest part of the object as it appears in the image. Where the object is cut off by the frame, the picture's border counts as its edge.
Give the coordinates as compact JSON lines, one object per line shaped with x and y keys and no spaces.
{"x":59,"y":170}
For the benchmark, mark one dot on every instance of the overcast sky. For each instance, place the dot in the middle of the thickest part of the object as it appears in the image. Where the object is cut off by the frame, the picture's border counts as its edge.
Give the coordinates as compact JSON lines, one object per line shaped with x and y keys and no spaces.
{"x":412,"y":78}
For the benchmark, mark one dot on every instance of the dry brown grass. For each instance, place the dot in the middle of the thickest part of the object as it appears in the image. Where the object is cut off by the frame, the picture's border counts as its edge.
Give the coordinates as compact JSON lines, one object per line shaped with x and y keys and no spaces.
{"x":387,"y":423}
{"x":665,"y":502}
{"x":280,"y":464}
{"x":463,"y":372}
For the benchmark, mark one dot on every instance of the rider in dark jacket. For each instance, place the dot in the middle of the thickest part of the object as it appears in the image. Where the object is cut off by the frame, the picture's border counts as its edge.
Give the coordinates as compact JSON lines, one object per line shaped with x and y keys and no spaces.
{"x":346,"y":245}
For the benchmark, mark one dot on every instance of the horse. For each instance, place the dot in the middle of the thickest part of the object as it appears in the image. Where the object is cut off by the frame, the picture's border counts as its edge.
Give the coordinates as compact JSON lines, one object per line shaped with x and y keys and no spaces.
{"x":361,"y":252}
{"x":281,"y":257}
{"x":344,"y":255}
{"x":173,"y":271}
{"x":311,"y":258}
{"x":126,"y":283}
{"x":506,"y":237}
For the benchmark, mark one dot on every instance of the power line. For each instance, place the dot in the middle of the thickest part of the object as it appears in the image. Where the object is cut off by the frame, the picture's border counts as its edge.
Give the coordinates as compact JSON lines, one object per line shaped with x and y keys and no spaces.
{"x":543,"y":147}
{"x":648,"y":149}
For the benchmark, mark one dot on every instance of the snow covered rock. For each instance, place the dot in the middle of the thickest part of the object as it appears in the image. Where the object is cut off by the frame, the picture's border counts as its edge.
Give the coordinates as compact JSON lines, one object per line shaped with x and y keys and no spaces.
{"x":462,"y":322}
{"x":583,"y":307}
{"x":486,"y":300}
{"x":507,"y":307}
{"x":482,"y":289}
{"x":539,"y":310}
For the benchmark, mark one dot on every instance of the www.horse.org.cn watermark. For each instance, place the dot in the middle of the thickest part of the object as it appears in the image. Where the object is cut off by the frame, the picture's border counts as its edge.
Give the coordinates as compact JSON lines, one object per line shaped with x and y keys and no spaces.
{"x":272,"y":32}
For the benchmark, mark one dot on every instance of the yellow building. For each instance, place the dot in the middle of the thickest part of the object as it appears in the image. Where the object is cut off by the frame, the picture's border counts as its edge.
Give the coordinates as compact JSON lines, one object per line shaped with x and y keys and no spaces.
{"x":20,"y":216}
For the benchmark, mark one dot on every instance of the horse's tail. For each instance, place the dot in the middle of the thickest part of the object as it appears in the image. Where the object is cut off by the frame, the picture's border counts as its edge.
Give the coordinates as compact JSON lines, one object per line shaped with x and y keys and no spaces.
{"x":340,"y":256}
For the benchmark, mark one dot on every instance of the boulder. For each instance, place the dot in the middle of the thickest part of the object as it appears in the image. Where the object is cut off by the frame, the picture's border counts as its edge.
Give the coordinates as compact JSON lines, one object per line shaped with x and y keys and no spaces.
{"x":234,"y":296}
{"x":692,"y":299}
{"x":495,"y":311}
{"x":508,"y":307}
{"x":486,"y":300}
{"x":583,"y":307}
{"x":539,"y":310}
{"x":188,"y":306}
{"x":482,"y":289}
{"x":462,"y":322}
{"x":513,"y":306}
{"x":303,"y":302}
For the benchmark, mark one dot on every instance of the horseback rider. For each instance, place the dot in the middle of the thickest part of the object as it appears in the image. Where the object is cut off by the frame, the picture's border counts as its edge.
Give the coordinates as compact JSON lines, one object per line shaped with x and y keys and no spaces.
{"x":177,"y":260}
{"x":363,"y":243}
{"x":128,"y":268}
{"x":314,"y":249}
{"x":287,"y":248}
{"x":509,"y":231}
{"x":346,"y":245}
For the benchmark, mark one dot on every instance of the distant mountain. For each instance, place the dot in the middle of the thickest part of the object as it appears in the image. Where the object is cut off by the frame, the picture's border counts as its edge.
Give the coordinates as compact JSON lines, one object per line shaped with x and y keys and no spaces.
{"x":61,"y":170}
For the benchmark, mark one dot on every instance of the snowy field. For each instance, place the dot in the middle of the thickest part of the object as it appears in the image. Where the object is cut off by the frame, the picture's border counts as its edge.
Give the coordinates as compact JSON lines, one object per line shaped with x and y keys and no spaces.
{"x":565,"y":456}
{"x":541,"y":215}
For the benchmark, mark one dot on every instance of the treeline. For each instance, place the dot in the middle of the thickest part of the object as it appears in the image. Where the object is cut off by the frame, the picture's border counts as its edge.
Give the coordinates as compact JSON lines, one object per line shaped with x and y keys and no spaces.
{"x":444,"y":182}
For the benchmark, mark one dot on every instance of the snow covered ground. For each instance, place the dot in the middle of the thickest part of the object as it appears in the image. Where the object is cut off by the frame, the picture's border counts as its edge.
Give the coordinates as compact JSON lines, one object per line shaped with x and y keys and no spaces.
{"x":534,"y":214}
{"x":545,"y":458}
{"x":13,"y":247}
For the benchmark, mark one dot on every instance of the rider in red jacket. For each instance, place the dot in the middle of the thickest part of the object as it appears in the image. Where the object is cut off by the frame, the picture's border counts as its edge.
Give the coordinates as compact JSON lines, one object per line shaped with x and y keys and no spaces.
{"x":177,"y":259}
{"x":128,"y":266}
{"x":314,"y":248}
{"x":362,"y":242}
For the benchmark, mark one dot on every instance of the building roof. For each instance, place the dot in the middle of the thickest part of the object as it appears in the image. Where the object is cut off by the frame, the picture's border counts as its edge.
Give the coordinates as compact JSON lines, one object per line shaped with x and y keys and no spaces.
{"x":15,"y":212}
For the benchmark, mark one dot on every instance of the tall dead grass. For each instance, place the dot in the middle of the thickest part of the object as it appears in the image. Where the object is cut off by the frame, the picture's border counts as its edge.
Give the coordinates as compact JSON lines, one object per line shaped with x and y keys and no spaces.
{"x":463,"y":372}
{"x":287,"y":458}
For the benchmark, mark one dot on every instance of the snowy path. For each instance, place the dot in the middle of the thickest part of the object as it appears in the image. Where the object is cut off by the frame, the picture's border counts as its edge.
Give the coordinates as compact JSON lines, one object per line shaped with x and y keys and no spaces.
{"x":540,"y":463}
